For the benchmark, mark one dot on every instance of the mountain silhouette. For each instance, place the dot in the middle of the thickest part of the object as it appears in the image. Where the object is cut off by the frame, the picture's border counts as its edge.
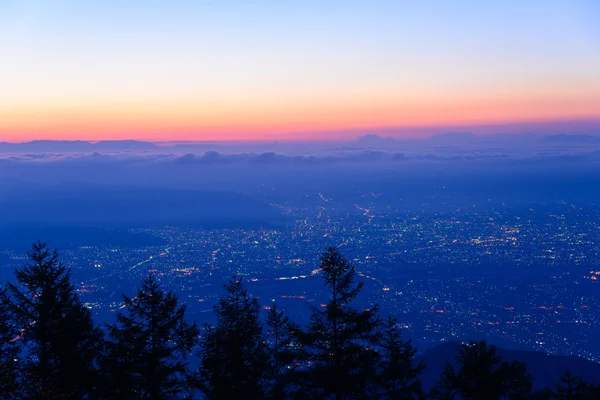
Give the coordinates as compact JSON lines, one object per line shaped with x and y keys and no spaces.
{"x":545,"y":369}
{"x":66,"y":146}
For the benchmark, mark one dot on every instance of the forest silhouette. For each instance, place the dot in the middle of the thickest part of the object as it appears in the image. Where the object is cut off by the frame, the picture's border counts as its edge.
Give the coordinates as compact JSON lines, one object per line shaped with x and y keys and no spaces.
{"x":50,"y":347}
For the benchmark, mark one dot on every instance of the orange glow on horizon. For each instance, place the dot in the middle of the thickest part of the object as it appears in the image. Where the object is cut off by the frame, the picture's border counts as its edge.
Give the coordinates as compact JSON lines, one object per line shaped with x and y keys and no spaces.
{"x":272,"y":120}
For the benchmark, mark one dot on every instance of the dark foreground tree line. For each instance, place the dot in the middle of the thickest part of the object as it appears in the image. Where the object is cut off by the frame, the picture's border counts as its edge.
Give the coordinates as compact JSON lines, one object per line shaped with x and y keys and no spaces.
{"x":51,"y":349}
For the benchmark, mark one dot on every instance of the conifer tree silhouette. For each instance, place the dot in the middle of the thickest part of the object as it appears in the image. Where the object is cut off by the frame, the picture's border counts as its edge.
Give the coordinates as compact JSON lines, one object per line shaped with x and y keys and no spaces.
{"x":282,"y":353}
{"x":233,"y":353}
{"x":397,"y":374}
{"x":480,"y":374}
{"x":61,"y":340}
{"x":340,"y":339}
{"x":571,"y":387}
{"x":148,"y":346}
{"x":10,"y":343}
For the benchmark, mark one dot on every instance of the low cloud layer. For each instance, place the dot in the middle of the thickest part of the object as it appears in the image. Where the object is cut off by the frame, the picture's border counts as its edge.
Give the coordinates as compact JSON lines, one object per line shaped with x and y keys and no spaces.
{"x":243,"y":170}
{"x":371,"y":161}
{"x":343,"y":157}
{"x":166,"y":186}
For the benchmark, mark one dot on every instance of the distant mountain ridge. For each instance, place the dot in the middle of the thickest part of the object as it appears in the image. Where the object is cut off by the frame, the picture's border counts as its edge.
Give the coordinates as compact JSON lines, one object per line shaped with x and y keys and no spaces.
{"x":545,"y":369}
{"x":76,"y":146}
{"x":367,"y":141}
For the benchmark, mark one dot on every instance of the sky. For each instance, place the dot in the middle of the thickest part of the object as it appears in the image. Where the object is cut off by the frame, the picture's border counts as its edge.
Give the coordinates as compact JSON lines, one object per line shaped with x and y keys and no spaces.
{"x":295,"y":70}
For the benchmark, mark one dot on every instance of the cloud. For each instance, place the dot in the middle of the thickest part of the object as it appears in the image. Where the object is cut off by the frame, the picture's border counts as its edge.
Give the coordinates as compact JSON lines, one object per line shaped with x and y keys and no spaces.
{"x":243,"y":171}
{"x":273,"y":158}
{"x":411,"y":174}
{"x":341,"y":157}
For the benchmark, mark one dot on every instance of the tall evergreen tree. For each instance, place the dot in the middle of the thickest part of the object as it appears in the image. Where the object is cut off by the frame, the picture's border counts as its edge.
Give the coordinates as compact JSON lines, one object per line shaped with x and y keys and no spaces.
{"x":517,"y":383}
{"x":572,"y":387}
{"x":398,"y":376}
{"x":120,"y":364}
{"x":148,"y":346}
{"x":480,"y":374}
{"x":282,"y":353}
{"x":340,"y":339}
{"x":10,"y":387}
{"x":58,"y":331}
{"x":233,"y":352}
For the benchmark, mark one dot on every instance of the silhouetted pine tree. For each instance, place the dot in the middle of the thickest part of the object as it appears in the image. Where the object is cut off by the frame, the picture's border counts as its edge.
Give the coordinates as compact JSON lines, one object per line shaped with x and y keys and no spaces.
{"x":571,"y":387}
{"x":58,"y":331}
{"x":147,"y":348}
{"x":480,"y":374}
{"x":282,"y":353}
{"x":10,"y":387}
{"x":233,"y":352}
{"x":120,"y":367}
{"x":397,"y":374}
{"x":517,"y":382}
{"x":339,"y":339}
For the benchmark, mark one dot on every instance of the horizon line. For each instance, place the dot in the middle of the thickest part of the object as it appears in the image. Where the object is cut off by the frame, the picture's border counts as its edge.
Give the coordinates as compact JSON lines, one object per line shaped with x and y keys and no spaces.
{"x":581,"y":126}
{"x":300,"y":140}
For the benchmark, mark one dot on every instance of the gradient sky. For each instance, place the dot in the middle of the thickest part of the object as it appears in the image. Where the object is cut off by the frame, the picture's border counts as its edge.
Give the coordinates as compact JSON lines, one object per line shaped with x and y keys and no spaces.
{"x":203,"y":70}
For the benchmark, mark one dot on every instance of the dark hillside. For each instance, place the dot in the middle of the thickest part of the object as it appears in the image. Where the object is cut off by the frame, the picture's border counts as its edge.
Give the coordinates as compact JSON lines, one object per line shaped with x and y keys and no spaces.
{"x":545,"y":369}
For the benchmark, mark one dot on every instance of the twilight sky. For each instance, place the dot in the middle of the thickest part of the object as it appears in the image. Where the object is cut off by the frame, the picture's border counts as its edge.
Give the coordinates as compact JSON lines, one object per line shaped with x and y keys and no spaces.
{"x":225,"y":69}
